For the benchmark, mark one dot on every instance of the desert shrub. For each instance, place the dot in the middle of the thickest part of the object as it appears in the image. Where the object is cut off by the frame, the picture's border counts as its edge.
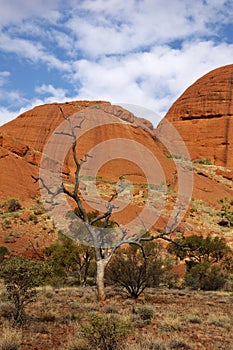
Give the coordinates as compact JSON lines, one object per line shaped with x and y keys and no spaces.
{"x":142,"y":315}
{"x":133,"y":271}
{"x":12,"y":204}
{"x":220,"y":320}
{"x":205,"y":277}
{"x":170,"y":324}
{"x":3,"y":252}
{"x":205,"y":161}
{"x":105,"y":332}
{"x":33,"y":218}
{"x":77,"y":344}
{"x":7,"y":310}
{"x":21,"y":277}
{"x":6,"y":224}
{"x":72,"y":263}
{"x":226,"y":212}
{"x":202,"y":255}
{"x":10,"y":339}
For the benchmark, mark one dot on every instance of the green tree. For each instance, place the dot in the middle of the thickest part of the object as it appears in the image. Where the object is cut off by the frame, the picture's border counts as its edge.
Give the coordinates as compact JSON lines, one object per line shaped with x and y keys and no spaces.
{"x":205,"y":260}
{"x":70,"y":260}
{"x":21,"y":277}
{"x":135,"y":271}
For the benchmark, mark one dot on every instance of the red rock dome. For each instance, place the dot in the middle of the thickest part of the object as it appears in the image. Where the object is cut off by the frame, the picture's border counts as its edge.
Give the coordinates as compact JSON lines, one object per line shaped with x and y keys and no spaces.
{"x":203,"y":115}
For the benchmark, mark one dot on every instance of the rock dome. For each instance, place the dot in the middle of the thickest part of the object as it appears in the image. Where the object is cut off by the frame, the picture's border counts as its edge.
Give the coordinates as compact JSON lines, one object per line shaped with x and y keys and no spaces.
{"x":203,"y":115}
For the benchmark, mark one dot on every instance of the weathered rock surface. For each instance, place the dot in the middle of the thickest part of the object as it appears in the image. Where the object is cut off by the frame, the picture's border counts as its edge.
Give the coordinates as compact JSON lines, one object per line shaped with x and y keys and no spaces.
{"x":203,"y":115}
{"x":24,"y":138}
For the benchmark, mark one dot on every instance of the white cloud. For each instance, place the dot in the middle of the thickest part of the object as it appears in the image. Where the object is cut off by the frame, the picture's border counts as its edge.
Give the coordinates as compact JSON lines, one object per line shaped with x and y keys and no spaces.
{"x":55,"y":94}
{"x":119,"y":27}
{"x":153,"y":79}
{"x":6,"y":115}
{"x":3,"y":76}
{"x":33,"y":51}
{"x":14,"y":11}
{"x":116,"y":50}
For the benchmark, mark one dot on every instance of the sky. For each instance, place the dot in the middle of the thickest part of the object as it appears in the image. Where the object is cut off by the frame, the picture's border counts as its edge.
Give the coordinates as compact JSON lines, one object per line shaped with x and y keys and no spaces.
{"x":134,"y":52}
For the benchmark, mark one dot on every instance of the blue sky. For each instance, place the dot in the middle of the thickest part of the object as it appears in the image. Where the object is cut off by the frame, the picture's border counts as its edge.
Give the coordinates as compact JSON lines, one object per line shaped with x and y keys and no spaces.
{"x":138,"y":52}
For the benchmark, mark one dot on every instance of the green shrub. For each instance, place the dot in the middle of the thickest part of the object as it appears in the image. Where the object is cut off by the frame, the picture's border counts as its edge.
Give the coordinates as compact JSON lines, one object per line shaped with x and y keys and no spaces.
{"x":135,"y":272}
{"x":142,"y":316}
{"x":6,"y":224}
{"x":205,"y":277}
{"x":105,"y":332}
{"x":33,"y":218}
{"x":226,"y":212}
{"x":205,"y":161}
{"x":21,"y":277}
{"x":12,"y":204}
{"x":3,"y":251}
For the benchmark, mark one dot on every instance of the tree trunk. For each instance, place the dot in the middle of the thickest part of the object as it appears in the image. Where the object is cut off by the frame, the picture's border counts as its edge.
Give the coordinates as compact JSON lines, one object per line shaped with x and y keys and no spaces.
{"x":101,"y":265}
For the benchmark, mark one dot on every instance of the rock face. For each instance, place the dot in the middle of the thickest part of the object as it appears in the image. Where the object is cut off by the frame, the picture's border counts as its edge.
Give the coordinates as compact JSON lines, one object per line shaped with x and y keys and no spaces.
{"x":23,"y":139}
{"x":203,"y":115}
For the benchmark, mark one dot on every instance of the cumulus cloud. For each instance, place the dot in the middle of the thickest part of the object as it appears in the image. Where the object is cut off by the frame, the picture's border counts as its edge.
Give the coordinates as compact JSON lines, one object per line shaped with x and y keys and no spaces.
{"x":119,"y":27}
{"x":55,"y":94}
{"x":152,"y":79}
{"x":139,"y":52}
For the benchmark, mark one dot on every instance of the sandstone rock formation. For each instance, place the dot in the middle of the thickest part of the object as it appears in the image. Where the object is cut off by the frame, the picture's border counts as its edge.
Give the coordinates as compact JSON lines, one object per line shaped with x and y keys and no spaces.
{"x":203,"y":115}
{"x":22,"y":142}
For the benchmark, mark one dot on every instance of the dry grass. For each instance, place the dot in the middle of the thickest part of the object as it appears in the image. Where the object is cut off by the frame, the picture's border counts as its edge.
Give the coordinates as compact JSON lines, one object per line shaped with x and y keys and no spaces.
{"x":170,"y":319}
{"x":10,"y":338}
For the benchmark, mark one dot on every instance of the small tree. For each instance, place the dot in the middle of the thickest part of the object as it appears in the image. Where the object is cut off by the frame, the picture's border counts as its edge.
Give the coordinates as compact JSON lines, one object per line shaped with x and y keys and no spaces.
{"x":68,"y":258}
{"x":201,"y":256}
{"x":205,"y":277}
{"x":21,"y":277}
{"x":135,"y":271}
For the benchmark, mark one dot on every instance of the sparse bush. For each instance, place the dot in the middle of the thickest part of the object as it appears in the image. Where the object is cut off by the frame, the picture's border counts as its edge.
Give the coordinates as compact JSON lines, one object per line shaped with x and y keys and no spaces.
{"x":105,"y":332}
{"x":219,"y":320}
{"x":6,"y":224}
{"x":33,"y":218}
{"x":21,"y":277}
{"x":171,"y":323}
{"x":144,"y":315}
{"x":10,"y":339}
{"x":135,"y":272}
{"x":205,"y":161}
{"x":226,"y":212}
{"x":11,"y":205}
{"x":7,"y":310}
{"x":71,"y":262}
{"x":3,"y":252}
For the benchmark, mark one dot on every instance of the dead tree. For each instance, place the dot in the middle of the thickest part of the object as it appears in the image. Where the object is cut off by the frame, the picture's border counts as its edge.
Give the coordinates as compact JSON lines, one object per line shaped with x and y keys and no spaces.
{"x":105,"y":235}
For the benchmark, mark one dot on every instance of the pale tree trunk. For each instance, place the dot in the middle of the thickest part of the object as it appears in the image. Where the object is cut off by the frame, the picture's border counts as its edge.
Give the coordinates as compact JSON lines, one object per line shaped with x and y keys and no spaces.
{"x":101,"y":265}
